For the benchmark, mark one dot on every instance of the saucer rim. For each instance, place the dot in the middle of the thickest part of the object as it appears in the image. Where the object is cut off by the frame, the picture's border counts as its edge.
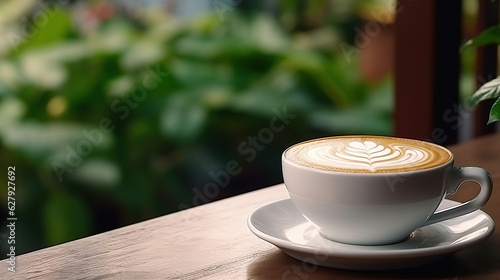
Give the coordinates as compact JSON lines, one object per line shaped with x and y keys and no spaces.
{"x":382,"y":253}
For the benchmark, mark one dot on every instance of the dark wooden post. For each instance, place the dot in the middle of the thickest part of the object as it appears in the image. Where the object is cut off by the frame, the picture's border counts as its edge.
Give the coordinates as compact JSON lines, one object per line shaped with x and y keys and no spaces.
{"x":427,"y":70}
{"x":486,"y":64}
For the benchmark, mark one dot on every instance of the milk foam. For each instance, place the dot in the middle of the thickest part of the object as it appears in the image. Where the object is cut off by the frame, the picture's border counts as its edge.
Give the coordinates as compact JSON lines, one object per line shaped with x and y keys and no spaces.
{"x":368,"y":154}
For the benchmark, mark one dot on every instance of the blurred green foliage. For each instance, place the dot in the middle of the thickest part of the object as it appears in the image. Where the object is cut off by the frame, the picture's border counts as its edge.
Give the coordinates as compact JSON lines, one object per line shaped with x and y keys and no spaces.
{"x":117,"y":122}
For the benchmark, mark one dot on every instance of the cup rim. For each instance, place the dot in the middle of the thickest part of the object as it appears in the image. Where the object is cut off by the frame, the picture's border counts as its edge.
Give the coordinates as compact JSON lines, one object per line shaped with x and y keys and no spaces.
{"x":450,"y":161}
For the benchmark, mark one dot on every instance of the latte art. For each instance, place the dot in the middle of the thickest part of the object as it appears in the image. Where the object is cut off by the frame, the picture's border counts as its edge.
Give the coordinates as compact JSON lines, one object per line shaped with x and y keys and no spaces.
{"x":368,"y":154}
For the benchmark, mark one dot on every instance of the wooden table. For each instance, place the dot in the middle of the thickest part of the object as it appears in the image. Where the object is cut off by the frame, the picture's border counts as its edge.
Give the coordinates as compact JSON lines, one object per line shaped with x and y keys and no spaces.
{"x":212,"y":241}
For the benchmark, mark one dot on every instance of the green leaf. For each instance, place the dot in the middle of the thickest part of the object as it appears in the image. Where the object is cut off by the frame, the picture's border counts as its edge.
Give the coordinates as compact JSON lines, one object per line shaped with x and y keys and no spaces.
{"x":66,"y":218}
{"x":495,"y":112}
{"x":97,"y":173}
{"x":488,"y":90}
{"x":11,"y":111}
{"x":51,"y":26}
{"x":318,"y":69}
{"x":258,"y":102}
{"x":183,"y":118}
{"x":488,"y":36}
{"x":266,"y":33}
{"x":351,"y":121}
{"x":46,"y":143}
{"x":198,"y":74}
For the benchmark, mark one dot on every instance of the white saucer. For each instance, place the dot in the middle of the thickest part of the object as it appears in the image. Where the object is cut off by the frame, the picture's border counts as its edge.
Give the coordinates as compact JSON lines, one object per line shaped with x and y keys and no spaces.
{"x":281,"y":224}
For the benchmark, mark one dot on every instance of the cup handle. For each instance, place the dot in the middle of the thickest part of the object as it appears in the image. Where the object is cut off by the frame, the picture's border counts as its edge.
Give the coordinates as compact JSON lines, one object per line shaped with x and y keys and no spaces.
{"x":459,"y":176}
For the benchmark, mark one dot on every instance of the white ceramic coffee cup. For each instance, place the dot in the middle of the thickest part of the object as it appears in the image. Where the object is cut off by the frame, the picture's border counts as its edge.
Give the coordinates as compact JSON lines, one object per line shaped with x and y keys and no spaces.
{"x":379,"y":208}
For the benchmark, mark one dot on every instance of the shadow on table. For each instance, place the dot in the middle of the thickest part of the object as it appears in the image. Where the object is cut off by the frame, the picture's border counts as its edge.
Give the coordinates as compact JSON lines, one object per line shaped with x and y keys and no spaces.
{"x":472,"y":261}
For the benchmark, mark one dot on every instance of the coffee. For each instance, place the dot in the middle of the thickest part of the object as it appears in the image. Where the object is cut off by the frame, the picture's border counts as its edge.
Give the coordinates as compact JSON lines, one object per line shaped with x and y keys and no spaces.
{"x":367,"y":154}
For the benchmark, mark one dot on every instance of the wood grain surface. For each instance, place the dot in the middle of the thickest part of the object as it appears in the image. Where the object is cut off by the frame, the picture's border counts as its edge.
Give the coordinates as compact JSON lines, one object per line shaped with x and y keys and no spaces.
{"x":213,"y":241}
